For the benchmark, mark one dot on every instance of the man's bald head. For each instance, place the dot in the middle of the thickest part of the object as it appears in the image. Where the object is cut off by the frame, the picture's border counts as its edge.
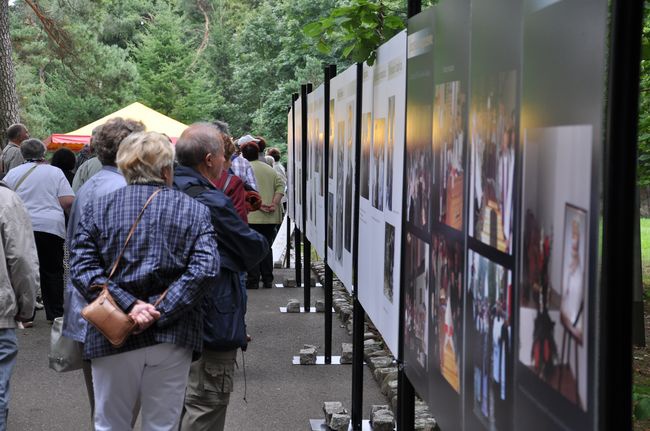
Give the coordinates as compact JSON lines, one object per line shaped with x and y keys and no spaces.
{"x":196,"y":142}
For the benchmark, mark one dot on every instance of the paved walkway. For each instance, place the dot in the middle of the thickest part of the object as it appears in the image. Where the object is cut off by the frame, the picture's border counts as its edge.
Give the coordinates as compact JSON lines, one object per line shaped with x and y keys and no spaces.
{"x":281,"y":396}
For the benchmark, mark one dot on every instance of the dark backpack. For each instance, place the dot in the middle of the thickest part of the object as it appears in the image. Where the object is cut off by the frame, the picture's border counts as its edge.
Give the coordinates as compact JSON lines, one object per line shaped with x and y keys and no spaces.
{"x":224,"y":323}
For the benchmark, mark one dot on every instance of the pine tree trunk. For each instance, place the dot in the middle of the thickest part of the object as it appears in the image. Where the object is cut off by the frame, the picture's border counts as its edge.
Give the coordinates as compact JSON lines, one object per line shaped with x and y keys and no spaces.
{"x":8,"y":97}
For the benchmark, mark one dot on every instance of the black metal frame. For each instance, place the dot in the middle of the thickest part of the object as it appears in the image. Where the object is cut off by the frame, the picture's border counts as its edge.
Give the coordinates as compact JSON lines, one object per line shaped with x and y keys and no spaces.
{"x":358,"y":311}
{"x":330,"y":72}
{"x":304,"y":90}
{"x":405,"y":414}
{"x":297,"y":228}
{"x":615,"y":395}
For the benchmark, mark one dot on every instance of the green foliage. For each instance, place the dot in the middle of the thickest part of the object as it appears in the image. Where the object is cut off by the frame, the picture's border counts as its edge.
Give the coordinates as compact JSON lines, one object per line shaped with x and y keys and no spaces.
{"x":238,"y":61}
{"x":60,"y":93}
{"x":171,"y":82}
{"x":641,"y":400}
{"x":357,"y":29}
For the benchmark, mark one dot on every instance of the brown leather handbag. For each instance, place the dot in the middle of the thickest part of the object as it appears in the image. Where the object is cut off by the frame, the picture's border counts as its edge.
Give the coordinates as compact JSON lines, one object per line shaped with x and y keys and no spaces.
{"x":104,"y":313}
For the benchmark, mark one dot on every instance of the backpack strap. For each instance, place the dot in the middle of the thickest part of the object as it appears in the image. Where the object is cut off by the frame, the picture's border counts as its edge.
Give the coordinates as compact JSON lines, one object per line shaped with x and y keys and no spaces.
{"x":194,"y":191}
{"x":24,"y":177}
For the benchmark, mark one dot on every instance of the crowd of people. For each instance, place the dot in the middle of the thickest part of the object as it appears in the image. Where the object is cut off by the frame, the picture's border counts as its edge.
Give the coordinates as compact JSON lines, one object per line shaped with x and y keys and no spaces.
{"x":176,"y":234}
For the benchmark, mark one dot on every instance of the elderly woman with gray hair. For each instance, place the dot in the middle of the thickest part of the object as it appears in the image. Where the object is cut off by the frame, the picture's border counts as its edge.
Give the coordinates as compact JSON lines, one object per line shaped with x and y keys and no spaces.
{"x":47,"y":196}
{"x":172,"y":255}
{"x":106,"y":141}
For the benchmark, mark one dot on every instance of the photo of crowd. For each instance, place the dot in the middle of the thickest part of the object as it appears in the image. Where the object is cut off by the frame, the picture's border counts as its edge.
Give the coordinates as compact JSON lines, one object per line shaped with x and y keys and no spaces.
{"x":493,"y":137}
{"x":449,"y":140}
{"x":489,"y":295}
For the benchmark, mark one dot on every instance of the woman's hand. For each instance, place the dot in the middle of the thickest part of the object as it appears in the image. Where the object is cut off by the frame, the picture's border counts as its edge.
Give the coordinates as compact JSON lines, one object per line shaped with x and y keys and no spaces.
{"x":144,"y":315}
{"x":268,"y":208}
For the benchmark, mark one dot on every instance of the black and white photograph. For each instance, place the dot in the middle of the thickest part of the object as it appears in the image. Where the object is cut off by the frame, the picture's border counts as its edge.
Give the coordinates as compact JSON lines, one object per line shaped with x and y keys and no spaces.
{"x":330,"y":218}
{"x":416,"y":312}
{"x":390,"y":153}
{"x":389,"y":261}
{"x":340,"y":180}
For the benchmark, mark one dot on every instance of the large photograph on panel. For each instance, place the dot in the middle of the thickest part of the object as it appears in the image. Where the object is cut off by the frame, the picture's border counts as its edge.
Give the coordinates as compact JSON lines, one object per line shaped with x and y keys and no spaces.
{"x":493,"y":145}
{"x":342,"y":105}
{"x":380,"y":209}
{"x":493,"y":120}
{"x":420,"y":167}
{"x":297,"y":167}
{"x":562,"y":102}
{"x":290,"y":165}
{"x":419,"y":177}
{"x":552,"y":314}
{"x":315,"y":175}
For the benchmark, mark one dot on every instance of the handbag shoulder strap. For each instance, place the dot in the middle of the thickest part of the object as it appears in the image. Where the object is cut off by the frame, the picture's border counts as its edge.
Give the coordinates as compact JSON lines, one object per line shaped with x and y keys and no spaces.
{"x":227,"y":183}
{"x":24,"y":177}
{"x":128,"y":238}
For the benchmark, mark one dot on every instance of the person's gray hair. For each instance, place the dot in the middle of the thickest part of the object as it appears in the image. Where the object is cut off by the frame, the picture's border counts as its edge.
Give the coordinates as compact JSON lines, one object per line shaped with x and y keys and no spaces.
{"x":32,"y":149}
{"x":14,"y":131}
{"x":222,"y":126}
{"x":107,"y":139}
{"x":142,"y":156}
{"x":196,"y":142}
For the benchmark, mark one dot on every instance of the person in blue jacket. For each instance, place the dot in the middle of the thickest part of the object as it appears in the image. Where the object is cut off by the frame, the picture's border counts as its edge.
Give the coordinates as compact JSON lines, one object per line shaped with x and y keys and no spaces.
{"x":200,"y":157}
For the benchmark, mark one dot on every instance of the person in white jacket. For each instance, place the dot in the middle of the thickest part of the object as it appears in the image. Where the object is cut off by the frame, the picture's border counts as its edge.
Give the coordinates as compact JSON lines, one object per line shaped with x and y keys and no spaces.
{"x":19,"y":280}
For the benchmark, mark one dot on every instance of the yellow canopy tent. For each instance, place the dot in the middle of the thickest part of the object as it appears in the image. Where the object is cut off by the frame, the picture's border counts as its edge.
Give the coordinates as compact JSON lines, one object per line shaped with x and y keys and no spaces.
{"x":154,"y":121}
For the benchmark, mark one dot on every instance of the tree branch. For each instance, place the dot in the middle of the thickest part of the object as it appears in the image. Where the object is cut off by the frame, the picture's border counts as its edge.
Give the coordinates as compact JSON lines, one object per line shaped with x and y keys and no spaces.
{"x":206,"y":33}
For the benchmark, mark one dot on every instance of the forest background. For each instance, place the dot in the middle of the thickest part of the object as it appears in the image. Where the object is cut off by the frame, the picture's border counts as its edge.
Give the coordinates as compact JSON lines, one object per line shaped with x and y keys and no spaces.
{"x":237,"y":61}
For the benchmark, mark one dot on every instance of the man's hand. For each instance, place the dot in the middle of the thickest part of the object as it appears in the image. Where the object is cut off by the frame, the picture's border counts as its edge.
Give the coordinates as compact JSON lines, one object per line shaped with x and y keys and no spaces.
{"x":144,"y":315}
